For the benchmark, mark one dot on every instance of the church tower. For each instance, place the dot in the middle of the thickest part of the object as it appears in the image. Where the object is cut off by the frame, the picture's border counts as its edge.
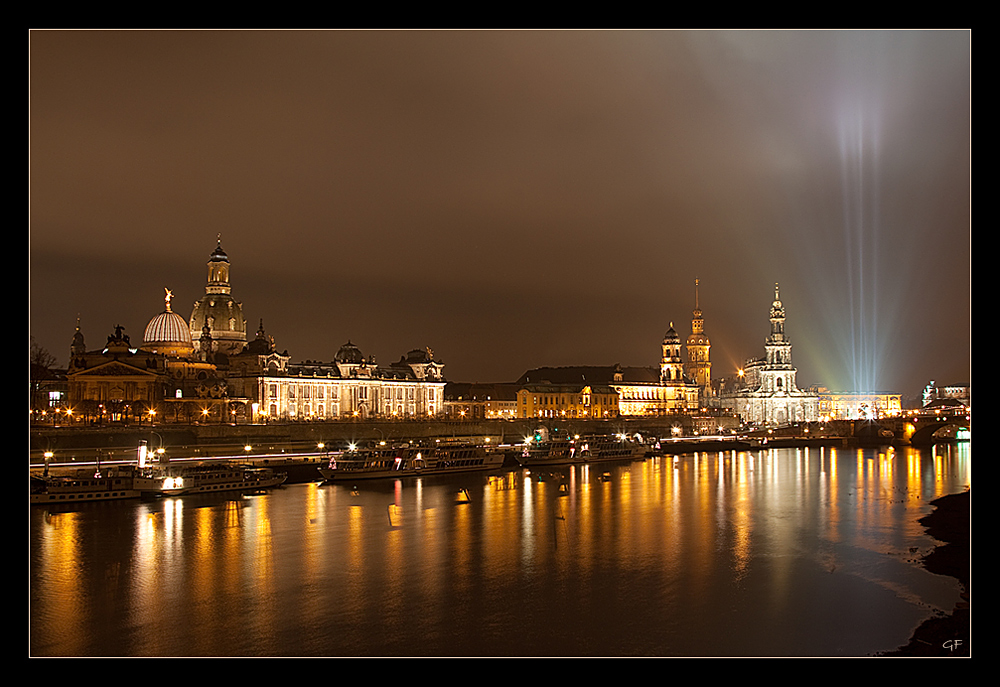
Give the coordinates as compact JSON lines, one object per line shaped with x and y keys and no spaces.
{"x":698,"y":367}
{"x":671,"y":367}
{"x":218,"y":310}
{"x":778,"y":373}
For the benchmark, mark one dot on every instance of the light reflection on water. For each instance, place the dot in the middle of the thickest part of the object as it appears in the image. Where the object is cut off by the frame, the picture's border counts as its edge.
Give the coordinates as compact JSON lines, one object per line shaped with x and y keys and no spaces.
{"x":786,"y":552}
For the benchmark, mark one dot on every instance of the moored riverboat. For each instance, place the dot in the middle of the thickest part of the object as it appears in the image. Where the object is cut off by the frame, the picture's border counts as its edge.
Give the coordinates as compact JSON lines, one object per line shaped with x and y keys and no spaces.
{"x":408,"y":460}
{"x":565,"y":450}
{"x":113,"y":485}
{"x":206,"y":479}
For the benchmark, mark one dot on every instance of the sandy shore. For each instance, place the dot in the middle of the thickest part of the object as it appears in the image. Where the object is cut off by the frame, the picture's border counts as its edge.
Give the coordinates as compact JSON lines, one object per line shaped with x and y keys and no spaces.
{"x":946,"y":635}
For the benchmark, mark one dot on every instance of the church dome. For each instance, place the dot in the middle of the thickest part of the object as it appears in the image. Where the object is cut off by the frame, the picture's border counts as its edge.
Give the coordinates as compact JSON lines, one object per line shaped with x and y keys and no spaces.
{"x":218,"y":310}
{"x":168,"y":333}
{"x":222,"y":314}
{"x":218,"y":254}
{"x":349,"y":353}
{"x":671,"y":336}
{"x":167,"y":327}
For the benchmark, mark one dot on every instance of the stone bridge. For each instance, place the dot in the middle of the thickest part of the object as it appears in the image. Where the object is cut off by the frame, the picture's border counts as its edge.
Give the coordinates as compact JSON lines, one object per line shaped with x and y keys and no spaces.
{"x":918,"y":428}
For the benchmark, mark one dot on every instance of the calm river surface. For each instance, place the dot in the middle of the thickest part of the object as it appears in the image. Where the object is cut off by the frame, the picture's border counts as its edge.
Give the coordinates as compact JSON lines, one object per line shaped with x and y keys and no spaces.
{"x":787,"y":552}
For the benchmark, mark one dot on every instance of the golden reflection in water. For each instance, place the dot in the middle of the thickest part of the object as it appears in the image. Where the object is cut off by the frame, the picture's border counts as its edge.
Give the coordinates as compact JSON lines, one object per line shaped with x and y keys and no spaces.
{"x":500,"y":520}
{"x":158,"y":569}
{"x":314,"y":551}
{"x":701,"y":546}
{"x":527,"y":521}
{"x":391,"y":593}
{"x":355,"y":581}
{"x":61,"y":549}
{"x":462,"y":551}
{"x":207,"y":583}
{"x":833,"y":512}
{"x":742,"y":517}
{"x":262,"y":577}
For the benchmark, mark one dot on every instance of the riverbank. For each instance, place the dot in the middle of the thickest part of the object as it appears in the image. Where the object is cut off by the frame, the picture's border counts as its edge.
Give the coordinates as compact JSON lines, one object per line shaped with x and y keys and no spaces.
{"x":947,"y":635}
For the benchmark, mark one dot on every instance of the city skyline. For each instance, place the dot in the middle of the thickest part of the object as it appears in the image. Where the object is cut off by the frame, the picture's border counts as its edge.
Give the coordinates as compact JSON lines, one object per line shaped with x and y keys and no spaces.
{"x":513,"y":199}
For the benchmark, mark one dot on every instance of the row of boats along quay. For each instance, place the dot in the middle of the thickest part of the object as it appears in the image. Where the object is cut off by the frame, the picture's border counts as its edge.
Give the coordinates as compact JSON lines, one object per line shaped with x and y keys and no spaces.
{"x":153,"y":475}
{"x":160,"y":462}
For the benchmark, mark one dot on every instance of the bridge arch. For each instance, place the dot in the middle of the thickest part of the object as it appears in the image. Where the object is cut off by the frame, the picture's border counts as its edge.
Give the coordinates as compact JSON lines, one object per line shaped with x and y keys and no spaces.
{"x":921,"y":432}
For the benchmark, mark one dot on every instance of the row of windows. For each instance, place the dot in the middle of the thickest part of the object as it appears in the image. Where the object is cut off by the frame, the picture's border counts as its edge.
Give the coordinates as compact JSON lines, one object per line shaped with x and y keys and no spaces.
{"x":320,"y":393}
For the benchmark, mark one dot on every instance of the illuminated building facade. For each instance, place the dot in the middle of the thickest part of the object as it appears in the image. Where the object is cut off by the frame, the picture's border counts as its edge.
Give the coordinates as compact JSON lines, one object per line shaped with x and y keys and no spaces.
{"x":217,"y":313}
{"x":162,"y":380}
{"x":640,"y":391}
{"x":353,"y":385}
{"x":118,"y":383}
{"x":465,"y":401}
{"x":955,"y":392}
{"x":544,"y":400}
{"x":768,"y":394}
{"x":855,"y":405}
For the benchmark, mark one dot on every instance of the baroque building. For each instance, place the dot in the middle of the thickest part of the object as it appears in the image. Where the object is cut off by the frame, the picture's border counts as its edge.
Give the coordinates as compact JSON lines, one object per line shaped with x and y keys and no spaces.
{"x":217,"y":313}
{"x":351,"y":386}
{"x":116,"y":383}
{"x":767,"y":393}
{"x":161,"y":380}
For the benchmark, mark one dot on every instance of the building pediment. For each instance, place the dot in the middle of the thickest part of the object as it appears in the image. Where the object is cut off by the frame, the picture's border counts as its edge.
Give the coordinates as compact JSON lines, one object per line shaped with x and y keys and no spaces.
{"x":114,"y":368}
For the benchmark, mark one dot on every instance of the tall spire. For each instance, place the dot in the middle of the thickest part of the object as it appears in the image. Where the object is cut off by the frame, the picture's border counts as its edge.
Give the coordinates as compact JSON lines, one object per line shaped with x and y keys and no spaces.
{"x":698,"y":368}
{"x":697,"y":322}
{"x":777,"y":317}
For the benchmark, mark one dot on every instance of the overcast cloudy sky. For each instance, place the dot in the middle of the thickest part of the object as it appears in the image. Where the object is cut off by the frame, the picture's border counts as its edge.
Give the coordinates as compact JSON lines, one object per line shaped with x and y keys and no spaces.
{"x":514,"y":199}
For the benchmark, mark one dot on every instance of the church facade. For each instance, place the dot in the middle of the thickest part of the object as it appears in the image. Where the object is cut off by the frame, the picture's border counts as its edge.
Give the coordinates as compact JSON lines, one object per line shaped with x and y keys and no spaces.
{"x":767,"y":393}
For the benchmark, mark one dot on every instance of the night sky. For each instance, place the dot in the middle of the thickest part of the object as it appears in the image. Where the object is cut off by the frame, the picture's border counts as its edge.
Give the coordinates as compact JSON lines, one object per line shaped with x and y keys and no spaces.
{"x":514,"y":199}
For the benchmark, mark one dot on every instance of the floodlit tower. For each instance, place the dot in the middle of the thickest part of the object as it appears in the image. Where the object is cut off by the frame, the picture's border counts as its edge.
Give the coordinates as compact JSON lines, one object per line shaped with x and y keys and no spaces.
{"x":778,"y":371}
{"x":698,"y":367}
{"x":671,"y":367}
{"x":218,"y":310}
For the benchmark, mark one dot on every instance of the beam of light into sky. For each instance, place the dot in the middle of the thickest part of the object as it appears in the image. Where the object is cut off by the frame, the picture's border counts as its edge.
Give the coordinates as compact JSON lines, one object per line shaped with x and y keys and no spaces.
{"x":859,"y":151}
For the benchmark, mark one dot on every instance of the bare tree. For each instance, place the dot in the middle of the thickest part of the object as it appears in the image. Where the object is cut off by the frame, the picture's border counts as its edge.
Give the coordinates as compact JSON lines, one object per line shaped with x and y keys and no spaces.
{"x":40,"y":364}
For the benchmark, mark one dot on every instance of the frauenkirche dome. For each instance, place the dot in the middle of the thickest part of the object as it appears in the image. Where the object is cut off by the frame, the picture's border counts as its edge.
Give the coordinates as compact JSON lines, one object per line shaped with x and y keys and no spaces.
{"x":218,"y":309}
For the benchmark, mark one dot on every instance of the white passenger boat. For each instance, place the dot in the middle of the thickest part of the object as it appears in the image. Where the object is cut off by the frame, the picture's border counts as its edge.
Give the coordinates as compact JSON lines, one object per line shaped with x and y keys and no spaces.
{"x":112,"y":485}
{"x":205,"y":479}
{"x":407,"y":461}
{"x":565,"y":450}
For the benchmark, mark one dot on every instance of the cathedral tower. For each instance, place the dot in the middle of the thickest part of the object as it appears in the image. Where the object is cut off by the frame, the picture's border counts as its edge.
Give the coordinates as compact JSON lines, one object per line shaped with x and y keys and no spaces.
{"x":698,"y":367}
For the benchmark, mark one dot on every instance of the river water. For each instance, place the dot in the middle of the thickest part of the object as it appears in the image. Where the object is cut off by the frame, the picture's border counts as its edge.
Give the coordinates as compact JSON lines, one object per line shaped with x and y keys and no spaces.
{"x":786,"y":552}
